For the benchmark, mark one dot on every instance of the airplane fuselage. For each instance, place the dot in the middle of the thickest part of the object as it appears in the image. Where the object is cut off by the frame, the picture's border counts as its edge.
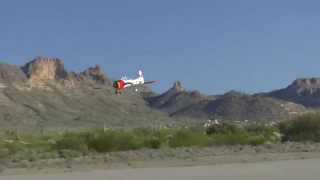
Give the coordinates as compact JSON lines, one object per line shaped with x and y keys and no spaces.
{"x":125,"y":83}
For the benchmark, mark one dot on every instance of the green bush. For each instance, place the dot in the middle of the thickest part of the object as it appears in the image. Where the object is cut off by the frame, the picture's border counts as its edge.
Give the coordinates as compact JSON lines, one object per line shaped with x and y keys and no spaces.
{"x":143,"y":132}
{"x":237,"y":139}
{"x":13,"y":148}
{"x":4,"y":152}
{"x":152,"y":143}
{"x":72,"y":141}
{"x":224,"y":128}
{"x":302,"y":128}
{"x":158,"y":138}
{"x":259,"y":129}
{"x":68,"y":153}
{"x":256,"y":140}
{"x":113,"y":141}
{"x":72,"y":144}
{"x":186,"y":137}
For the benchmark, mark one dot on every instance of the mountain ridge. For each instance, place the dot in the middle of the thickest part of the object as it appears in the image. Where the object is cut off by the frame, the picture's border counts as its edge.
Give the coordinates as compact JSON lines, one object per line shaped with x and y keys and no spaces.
{"x":232,"y":105}
{"x":43,"y":94}
{"x":305,"y":91}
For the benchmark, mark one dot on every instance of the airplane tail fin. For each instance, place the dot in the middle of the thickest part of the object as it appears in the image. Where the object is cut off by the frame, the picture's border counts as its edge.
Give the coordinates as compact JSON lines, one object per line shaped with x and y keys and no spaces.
{"x":140,"y":73}
{"x":141,"y":78}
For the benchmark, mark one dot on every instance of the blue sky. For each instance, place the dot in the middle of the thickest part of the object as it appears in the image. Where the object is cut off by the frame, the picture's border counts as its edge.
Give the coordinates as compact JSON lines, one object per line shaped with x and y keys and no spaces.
{"x":210,"y":45}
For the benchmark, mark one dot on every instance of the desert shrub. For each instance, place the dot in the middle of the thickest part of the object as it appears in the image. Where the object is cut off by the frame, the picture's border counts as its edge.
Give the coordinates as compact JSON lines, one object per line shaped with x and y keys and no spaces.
{"x":72,"y":144}
{"x":259,"y":128}
{"x":233,"y":134}
{"x":68,"y":153}
{"x":126,"y":141}
{"x":113,"y":141}
{"x":72,"y":141}
{"x":237,"y":139}
{"x":302,"y":128}
{"x":143,"y":132}
{"x":256,"y":140}
{"x":186,"y":137}
{"x":13,"y":148}
{"x":159,"y":138}
{"x":147,"y":137}
{"x":224,"y":128}
{"x":228,"y":139}
{"x":270,"y":133}
{"x":4,"y":152}
{"x":36,"y":143}
{"x":152,"y":143}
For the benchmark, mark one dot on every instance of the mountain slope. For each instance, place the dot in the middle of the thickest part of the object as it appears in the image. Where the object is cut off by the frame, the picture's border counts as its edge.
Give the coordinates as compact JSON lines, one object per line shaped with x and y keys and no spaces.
{"x":43,"y":95}
{"x":175,"y":98}
{"x":231,"y":106}
{"x":238,"y":106}
{"x":11,"y":73}
{"x":302,"y":91}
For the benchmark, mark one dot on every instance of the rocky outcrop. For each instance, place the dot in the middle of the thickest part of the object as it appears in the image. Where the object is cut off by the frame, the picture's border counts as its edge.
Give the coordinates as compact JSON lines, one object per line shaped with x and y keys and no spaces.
{"x":11,"y":74}
{"x":45,"y":69}
{"x":175,"y":98}
{"x":41,"y":71}
{"x":96,"y":74}
{"x":304,"y":91}
{"x":93,"y":75}
{"x":177,"y":87}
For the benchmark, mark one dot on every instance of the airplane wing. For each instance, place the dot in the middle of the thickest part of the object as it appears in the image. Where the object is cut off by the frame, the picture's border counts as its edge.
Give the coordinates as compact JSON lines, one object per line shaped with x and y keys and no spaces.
{"x":149,"y":82}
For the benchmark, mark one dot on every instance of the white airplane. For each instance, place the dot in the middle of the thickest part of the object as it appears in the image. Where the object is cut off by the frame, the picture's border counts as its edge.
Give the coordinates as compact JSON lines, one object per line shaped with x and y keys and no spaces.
{"x":124,"y":82}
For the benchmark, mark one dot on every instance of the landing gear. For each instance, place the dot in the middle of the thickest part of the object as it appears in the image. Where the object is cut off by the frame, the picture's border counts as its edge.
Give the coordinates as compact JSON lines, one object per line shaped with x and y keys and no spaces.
{"x":118,"y":92}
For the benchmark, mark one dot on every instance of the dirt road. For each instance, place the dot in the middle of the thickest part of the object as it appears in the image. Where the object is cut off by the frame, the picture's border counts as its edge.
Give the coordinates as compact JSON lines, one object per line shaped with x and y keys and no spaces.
{"x":284,"y":170}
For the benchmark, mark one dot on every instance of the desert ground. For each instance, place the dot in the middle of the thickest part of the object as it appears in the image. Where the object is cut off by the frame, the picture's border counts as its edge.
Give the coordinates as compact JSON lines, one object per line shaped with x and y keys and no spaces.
{"x":287,"y":161}
{"x":284,"y":170}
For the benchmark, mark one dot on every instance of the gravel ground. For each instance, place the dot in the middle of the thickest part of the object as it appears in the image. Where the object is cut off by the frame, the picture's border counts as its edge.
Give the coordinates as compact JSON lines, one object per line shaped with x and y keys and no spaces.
{"x":165,"y":157}
{"x":284,"y":170}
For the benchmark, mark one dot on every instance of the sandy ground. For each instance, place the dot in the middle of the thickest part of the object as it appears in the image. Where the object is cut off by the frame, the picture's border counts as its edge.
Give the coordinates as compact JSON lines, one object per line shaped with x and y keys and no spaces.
{"x":284,"y":170}
{"x":277,"y":161}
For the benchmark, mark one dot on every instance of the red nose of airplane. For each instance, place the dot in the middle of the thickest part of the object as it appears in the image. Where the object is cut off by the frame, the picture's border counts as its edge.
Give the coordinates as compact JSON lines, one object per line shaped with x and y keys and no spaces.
{"x":119,"y":84}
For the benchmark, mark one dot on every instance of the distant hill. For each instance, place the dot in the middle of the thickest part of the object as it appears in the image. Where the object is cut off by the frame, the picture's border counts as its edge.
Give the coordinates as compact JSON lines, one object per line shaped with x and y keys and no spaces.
{"x":238,"y":106}
{"x":230,"y":106}
{"x":302,"y":91}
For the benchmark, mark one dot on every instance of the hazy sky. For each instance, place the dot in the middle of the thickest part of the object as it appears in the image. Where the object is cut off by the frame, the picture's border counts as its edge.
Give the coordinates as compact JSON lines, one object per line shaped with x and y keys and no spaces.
{"x":210,"y":45}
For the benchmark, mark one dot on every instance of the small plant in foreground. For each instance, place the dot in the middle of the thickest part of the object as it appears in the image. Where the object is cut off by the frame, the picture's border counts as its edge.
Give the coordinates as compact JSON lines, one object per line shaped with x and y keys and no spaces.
{"x":302,"y":128}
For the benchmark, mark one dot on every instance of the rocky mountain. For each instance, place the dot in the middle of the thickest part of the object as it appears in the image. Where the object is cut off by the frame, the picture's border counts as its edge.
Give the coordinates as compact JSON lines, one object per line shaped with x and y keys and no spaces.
{"x":302,"y":91}
{"x":45,"y":69}
{"x":42,"y":71}
{"x":175,"y":99}
{"x":231,"y":106}
{"x":238,"y":106}
{"x":44,"y":95}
